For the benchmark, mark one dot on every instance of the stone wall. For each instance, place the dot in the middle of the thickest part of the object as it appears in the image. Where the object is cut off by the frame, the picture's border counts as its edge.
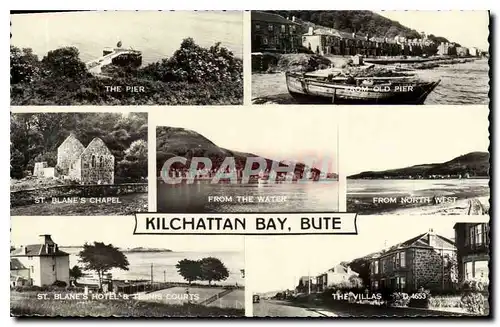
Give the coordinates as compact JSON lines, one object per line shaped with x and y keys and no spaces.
{"x":428,"y":270}
{"x":98,"y":164}
{"x":38,"y":169}
{"x":27,"y":197}
{"x":68,"y":152}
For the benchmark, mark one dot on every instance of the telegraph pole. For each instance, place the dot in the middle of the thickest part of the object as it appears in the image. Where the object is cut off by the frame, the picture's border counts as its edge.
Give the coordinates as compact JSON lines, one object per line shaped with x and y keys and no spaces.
{"x":151,"y":274}
{"x":164,"y":276}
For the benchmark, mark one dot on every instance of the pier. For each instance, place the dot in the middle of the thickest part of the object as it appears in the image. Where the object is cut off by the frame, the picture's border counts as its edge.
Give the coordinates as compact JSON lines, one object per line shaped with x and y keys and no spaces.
{"x":94,"y":66}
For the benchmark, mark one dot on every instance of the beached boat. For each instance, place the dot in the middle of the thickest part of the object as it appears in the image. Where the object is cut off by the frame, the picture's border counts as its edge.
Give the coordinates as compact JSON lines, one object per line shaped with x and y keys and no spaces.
{"x":314,"y":88}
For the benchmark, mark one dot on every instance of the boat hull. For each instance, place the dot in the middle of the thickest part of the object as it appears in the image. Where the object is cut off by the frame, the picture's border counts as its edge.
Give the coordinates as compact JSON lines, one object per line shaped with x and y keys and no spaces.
{"x":310,"y":90}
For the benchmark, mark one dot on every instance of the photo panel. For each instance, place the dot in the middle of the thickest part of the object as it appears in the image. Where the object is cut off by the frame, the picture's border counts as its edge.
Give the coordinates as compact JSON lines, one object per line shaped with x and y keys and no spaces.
{"x":394,"y":267}
{"x":78,"y":163}
{"x":216,"y":159}
{"x":370,"y":57}
{"x":127,"y":58}
{"x":95,"y":267}
{"x":431,"y":160}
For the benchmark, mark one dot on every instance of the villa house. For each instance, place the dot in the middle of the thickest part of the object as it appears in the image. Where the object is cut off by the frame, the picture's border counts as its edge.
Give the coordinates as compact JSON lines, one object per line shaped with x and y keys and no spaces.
{"x":423,"y":261}
{"x":39,"y":264}
{"x":91,"y":165}
{"x":274,"y":33}
{"x":472,"y":241}
{"x":333,"y":276}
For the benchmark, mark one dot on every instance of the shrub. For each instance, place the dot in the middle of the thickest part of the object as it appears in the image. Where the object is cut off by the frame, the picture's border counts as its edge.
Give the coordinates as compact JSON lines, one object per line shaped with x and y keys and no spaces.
{"x":473,"y":299}
{"x":60,"y":283}
{"x":420,"y":299}
{"x":400,"y":299}
{"x":450,"y":301}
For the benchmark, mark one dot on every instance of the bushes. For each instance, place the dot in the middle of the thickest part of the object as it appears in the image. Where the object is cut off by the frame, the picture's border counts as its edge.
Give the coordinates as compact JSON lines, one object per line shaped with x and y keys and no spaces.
{"x":192,"y":76}
{"x":192,"y":63}
{"x":473,"y":299}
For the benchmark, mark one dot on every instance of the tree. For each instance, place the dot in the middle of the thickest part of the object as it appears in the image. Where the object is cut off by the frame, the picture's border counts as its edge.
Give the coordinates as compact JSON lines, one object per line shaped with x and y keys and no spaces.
{"x":101,"y":258}
{"x":65,"y":62}
{"x":190,"y":270}
{"x":212,"y":269}
{"x":75,"y":273}
{"x":362,"y":267}
{"x":135,"y":163}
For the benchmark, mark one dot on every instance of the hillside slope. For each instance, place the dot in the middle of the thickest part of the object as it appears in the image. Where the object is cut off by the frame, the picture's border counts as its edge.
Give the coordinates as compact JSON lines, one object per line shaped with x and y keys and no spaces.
{"x":175,"y":141}
{"x":359,"y":21}
{"x":476,"y":164}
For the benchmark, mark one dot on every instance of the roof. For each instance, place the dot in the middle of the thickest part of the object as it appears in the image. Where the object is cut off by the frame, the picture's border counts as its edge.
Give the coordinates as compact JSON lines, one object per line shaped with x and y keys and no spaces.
{"x":36,"y":250}
{"x":95,"y":143}
{"x":72,"y":138}
{"x":421,"y":240}
{"x":15,"y":264}
{"x":270,"y":18}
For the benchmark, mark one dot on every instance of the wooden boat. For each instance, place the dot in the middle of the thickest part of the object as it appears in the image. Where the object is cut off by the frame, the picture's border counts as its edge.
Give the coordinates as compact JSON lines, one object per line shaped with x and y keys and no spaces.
{"x":310,"y":88}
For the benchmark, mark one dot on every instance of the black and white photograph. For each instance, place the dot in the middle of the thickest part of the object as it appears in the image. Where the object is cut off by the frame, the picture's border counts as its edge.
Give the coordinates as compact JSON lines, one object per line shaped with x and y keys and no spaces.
{"x":427,"y":268}
{"x":78,"y":164}
{"x":280,"y":160}
{"x":60,"y":266}
{"x":425,"y":161}
{"x":370,"y":57}
{"x":127,"y":58}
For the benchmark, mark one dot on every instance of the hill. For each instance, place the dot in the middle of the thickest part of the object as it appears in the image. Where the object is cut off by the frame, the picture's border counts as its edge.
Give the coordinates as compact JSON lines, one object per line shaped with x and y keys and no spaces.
{"x":359,"y":21}
{"x":476,"y":164}
{"x":174,"y":141}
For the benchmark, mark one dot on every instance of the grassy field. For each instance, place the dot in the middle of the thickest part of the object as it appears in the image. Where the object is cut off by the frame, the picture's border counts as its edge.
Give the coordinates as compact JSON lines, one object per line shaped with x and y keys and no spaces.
{"x":129,"y":204}
{"x":235,"y":300}
{"x":27,"y":304}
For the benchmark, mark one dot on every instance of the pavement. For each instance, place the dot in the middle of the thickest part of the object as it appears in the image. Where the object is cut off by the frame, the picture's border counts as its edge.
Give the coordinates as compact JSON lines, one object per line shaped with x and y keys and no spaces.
{"x":275,"y":308}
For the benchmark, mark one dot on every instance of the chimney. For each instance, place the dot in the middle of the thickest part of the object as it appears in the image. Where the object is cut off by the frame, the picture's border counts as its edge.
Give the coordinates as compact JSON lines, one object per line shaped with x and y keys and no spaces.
{"x":311,"y":30}
{"x":25,"y":249}
{"x":431,"y":237}
{"x":46,"y":239}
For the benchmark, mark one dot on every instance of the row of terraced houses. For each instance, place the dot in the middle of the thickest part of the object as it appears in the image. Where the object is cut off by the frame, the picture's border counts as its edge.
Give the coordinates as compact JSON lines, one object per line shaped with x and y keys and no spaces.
{"x":274,"y":33}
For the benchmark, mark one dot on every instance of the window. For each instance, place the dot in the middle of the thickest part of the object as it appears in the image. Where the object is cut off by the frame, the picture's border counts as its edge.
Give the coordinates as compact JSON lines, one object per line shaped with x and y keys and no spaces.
{"x":53,"y":267}
{"x":283,"y":29}
{"x":383,"y":265}
{"x":375,"y":284}
{"x":398,"y":262}
{"x":375,"y":267}
{"x":32,"y":269}
{"x":30,"y":258}
{"x":270,"y":27}
{"x":394,"y":262}
{"x":402,"y":258}
{"x":468,"y":270}
{"x":264,"y":40}
{"x":101,"y":161}
{"x":481,"y":270}
{"x":402,"y":283}
{"x":92,"y":164}
{"x":257,"y":27}
{"x":477,"y":234}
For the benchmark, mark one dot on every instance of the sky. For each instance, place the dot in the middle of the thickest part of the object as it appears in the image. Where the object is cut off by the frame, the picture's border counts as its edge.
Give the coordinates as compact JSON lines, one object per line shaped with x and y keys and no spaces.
{"x":469,"y":28}
{"x":280,"y":133}
{"x":380,"y":138}
{"x":75,"y":231}
{"x":276,"y":263}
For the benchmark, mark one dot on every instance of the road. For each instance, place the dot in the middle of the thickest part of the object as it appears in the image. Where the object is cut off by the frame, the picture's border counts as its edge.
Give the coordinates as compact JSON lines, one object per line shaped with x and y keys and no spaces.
{"x":275,"y":308}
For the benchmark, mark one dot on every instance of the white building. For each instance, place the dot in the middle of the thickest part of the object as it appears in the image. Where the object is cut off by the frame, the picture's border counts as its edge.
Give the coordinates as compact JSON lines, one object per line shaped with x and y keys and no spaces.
{"x":40,"y":264}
